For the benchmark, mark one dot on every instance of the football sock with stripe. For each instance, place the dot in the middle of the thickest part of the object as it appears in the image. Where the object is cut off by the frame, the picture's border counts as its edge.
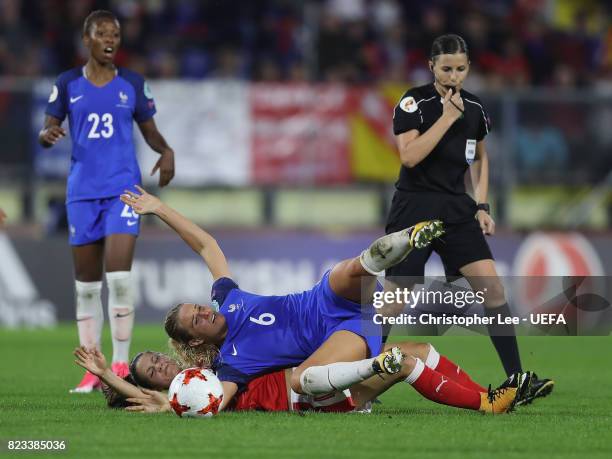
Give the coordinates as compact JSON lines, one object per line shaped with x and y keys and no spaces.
{"x":120,"y":313}
{"x":441,"y":389}
{"x":319,"y":380}
{"x":89,"y":315}
{"x":450,"y":369}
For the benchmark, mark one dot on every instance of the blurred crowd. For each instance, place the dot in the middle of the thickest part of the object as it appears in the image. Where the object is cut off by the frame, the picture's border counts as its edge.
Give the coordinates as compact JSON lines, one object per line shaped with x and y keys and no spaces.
{"x":513,"y":43}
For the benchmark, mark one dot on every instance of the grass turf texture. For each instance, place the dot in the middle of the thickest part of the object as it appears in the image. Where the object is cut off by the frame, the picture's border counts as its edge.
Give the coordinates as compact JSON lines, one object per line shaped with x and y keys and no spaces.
{"x":37,"y":371}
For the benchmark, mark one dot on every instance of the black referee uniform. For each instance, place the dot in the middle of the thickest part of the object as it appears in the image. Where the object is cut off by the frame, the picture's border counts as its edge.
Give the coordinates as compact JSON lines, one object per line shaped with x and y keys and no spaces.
{"x":435,"y":187}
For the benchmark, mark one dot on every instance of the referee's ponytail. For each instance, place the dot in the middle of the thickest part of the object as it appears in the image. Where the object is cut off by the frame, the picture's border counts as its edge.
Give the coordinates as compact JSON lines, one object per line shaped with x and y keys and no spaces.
{"x":448,"y":44}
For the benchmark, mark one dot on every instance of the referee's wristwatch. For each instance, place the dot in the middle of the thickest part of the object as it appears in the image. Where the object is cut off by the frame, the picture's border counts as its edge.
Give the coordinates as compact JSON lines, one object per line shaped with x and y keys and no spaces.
{"x":484,"y":206}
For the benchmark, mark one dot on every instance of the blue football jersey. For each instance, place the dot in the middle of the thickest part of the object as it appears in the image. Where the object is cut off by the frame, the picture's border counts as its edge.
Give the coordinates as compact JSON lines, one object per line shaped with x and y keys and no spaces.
{"x":266,"y":333}
{"x":101,"y":120}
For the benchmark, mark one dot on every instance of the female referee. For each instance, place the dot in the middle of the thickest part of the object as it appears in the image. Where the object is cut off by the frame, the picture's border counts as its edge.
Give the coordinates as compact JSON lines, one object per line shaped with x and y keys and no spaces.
{"x":440,"y":130}
{"x":327,"y":333}
{"x":101,"y":102}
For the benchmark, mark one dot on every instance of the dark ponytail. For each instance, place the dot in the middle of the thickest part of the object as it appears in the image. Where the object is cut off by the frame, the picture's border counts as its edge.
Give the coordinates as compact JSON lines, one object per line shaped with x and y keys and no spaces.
{"x":448,"y":44}
{"x":113,"y":398}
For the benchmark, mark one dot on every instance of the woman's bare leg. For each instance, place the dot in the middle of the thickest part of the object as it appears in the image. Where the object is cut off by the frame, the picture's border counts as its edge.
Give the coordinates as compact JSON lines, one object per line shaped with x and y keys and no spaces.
{"x":349,"y":280}
{"x":355,"y":279}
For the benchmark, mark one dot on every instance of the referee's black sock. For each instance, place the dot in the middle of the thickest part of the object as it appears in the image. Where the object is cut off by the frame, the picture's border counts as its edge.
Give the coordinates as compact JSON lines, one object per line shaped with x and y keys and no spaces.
{"x":504,"y":340}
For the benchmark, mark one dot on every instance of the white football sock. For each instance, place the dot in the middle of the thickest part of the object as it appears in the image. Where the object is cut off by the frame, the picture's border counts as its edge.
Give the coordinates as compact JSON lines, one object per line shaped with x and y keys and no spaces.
{"x":433,"y":358}
{"x":416,"y":371}
{"x":335,"y":376}
{"x":120,"y":313}
{"x":89,"y":315}
{"x":385,"y":252}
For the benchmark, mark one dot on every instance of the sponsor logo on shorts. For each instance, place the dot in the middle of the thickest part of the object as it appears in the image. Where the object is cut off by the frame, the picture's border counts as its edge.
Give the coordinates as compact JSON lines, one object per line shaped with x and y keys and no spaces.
{"x":129,"y":213}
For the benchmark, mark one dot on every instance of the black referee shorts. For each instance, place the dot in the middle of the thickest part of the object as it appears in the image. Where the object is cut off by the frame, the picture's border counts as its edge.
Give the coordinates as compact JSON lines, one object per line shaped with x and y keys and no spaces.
{"x":462,"y":243}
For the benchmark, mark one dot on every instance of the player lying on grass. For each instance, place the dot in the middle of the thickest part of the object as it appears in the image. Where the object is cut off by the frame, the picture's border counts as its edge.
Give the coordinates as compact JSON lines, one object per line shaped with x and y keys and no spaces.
{"x":152,"y":372}
{"x":327,"y":332}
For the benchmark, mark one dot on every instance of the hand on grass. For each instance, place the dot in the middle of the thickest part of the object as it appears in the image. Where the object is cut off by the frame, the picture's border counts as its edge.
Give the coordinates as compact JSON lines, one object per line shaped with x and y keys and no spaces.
{"x":152,"y":402}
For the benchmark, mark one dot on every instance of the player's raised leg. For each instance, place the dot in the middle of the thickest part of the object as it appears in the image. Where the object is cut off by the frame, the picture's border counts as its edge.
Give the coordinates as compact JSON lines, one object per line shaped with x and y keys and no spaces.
{"x":347,"y":277}
{"x":119,"y":254}
{"x":88,"y":268}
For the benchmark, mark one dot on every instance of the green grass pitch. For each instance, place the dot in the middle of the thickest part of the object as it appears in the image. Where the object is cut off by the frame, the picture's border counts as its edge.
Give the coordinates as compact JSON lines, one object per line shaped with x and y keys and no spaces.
{"x":575,"y":421}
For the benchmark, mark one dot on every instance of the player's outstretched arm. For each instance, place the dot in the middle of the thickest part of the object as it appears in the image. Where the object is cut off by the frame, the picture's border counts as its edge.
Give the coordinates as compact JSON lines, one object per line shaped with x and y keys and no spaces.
{"x":51,"y":132}
{"x":199,"y":240}
{"x":151,"y":401}
{"x":165,"y":164}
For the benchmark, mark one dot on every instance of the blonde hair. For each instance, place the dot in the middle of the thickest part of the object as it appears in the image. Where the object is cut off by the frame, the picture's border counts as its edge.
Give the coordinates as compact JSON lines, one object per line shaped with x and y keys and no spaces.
{"x":202,"y":355}
{"x":173,"y":328}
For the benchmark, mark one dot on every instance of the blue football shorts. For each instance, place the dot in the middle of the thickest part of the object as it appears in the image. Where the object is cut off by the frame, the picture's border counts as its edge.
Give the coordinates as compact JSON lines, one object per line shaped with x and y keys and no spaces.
{"x":342,"y":314}
{"x":92,"y":220}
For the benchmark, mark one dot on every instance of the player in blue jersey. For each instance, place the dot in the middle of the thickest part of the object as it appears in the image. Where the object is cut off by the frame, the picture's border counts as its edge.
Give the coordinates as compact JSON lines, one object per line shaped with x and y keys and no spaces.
{"x":102,"y":102}
{"x":326,"y":332}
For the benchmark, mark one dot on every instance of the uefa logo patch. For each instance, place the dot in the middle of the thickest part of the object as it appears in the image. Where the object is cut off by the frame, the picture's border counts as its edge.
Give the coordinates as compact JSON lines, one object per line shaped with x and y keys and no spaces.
{"x":54,"y":94}
{"x":408,"y":104}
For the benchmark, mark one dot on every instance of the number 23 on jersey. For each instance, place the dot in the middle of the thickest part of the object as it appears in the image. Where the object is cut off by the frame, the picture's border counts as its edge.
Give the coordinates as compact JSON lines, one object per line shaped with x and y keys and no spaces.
{"x":100,"y":126}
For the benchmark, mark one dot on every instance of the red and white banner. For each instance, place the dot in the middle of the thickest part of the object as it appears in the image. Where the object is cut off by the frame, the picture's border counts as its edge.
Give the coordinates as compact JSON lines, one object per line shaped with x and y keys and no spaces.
{"x":237,"y":134}
{"x":300,"y":134}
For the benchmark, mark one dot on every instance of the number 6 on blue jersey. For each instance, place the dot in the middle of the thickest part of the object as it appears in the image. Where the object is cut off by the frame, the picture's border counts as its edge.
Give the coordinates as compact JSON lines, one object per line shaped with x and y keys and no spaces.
{"x":264,"y":318}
